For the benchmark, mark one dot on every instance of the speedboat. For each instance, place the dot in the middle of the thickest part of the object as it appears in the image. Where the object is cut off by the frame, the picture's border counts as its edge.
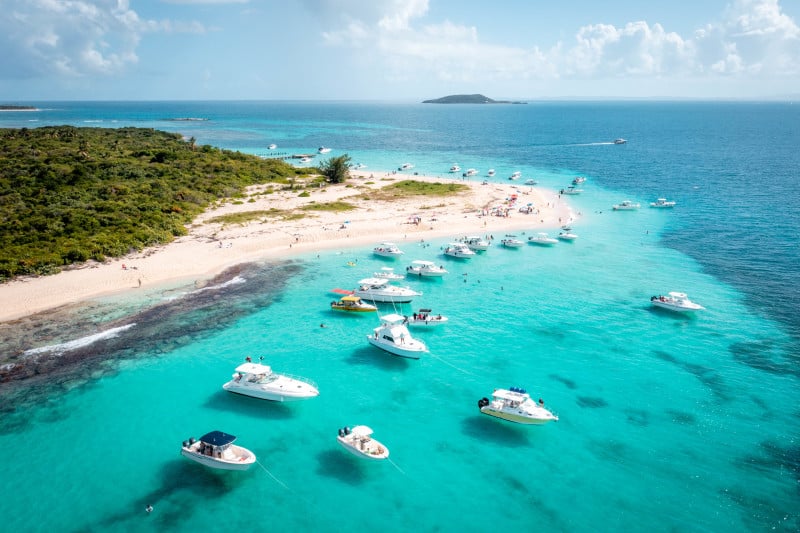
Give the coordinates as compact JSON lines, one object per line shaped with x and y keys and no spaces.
{"x":515,"y":405}
{"x":542,"y":239}
{"x":427,"y":269}
{"x":406,"y":166}
{"x":216,"y":450}
{"x":566,"y":235}
{"x":379,"y":290}
{"x":393,"y":336}
{"x":676,"y":301}
{"x":424,"y":317}
{"x":626,"y":205}
{"x":455,"y":168}
{"x":578,"y":180}
{"x":662,"y":203}
{"x":476,"y":243}
{"x":272,"y":146}
{"x":511,"y":241}
{"x":571,"y":190}
{"x":353,"y":303}
{"x":359,"y":441}
{"x":470,"y":172}
{"x":323,"y":150}
{"x":490,"y":172}
{"x":259,"y":381}
{"x":459,"y":250}
{"x":620,"y":141}
{"x":387,"y":249}
{"x":515,"y":175}
{"x":388,"y":273}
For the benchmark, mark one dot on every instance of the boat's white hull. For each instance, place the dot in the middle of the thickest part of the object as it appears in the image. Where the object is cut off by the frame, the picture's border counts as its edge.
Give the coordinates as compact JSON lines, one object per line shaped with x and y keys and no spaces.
{"x":410,"y":350}
{"x":426,"y":273}
{"x":514,"y":417}
{"x":387,"y":254}
{"x":461,"y":255}
{"x":548,"y":242}
{"x":427,"y":323}
{"x":660,"y":206}
{"x":371,"y":452}
{"x":263,"y":393}
{"x":242,"y":462}
{"x":385,"y":298}
{"x":479,"y":247}
{"x":678,"y":308}
{"x":568,"y":237}
{"x":513,"y":244}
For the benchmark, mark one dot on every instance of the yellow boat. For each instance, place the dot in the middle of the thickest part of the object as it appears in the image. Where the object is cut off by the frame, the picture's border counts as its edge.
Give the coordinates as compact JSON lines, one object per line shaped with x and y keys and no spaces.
{"x":353,"y":303}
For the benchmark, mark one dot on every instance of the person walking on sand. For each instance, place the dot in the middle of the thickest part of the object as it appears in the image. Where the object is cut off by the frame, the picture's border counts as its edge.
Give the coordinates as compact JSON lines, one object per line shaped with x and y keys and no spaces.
{"x":140,"y":282}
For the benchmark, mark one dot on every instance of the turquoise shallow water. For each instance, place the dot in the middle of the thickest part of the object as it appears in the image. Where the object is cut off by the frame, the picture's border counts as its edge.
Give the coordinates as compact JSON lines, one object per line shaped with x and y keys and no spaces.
{"x":666,"y":422}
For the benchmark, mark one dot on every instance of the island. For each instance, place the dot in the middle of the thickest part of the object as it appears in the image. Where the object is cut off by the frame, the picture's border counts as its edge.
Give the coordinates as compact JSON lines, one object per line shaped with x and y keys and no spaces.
{"x":468,"y":99}
{"x":5,"y":107}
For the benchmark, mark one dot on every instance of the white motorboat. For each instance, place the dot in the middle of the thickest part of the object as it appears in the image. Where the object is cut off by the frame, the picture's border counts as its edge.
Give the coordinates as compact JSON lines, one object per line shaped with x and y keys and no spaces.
{"x":359,"y":441}
{"x":571,"y":190}
{"x":578,"y":180}
{"x":476,"y":243}
{"x":470,"y":172}
{"x":626,"y":205}
{"x":393,"y":336}
{"x":459,"y":250}
{"x":425,"y":317}
{"x":405,"y":166}
{"x":353,"y":304}
{"x":542,"y":239}
{"x":676,"y":301}
{"x":388,"y":273}
{"x":511,"y":241}
{"x":427,"y":269}
{"x":387,"y":249}
{"x":216,"y":450}
{"x":455,"y":168}
{"x":272,"y":146}
{"x":515,"y":175}
{"x":323,"y":150}
{"x":491,"y":172}
{"x":662,"y":203}
{"x":515,"y":405}
{"x":620,"y":141}
{"x":566,"y":235}
{"x":259,"y":381}
{"x":379,"y":290}
{"x":305,"y":159}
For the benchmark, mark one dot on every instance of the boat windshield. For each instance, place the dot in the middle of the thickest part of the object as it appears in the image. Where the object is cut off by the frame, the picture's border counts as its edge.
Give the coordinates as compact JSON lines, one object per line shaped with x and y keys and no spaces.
{"x":263,"y":378}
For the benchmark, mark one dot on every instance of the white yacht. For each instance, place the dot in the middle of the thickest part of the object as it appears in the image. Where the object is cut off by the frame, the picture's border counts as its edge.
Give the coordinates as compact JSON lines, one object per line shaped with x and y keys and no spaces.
{"x":272,"y":146}
{"x":406,"y":166}
{"x":259,"y":381}
{"x":388,"y":273}
{"x":515,"y":405}
{"x":620,"y":141}
{"x":578,"y":180}
{"x":427,"y":269}
{"x":455,"y":168}
{"x":511,"y":241}
{"x":470,"y":172}
{"x":459,"y":250}
{"x":515,"y":175}
{"x":626,"y":205}
{"x":542,"y":239}
{"x":216,"y":450}
{"x":387,"y":249}
{"x":571,"y":190}
{"x":476,"y":243}
{"x":491,"y":172}
{"x":425,"y":318}
{"x":662,"y":203}
{"x":566,"y":235}
{"x":393,"y":336}
{"x":323,"y":150}
{"x":379,"y":290}
{"x":359,"y":441}
{"x":676,"y":301}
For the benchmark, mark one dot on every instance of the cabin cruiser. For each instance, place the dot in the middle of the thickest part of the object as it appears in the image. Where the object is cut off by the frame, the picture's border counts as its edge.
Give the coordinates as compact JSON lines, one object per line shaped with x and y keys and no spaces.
{"x":259,"y":381}
{"x":216,"y":450}
{"x":566,"y":235}
{"x":476,"y":243}
{"x":676,"y":301}
{"x":578,"y":180}
{"x":427,"y":269}
{"x":491,"y":172}
{"x":379,"y":290}
{"x":515,"y":405}
{"x":359,"y":441}
{"x":455,"y":168}
{"x":425,"y":317}
{"x":511,"y":241}
{"x":626,"y":205}
{"x":470,"y":172}
{"x":662,"y":203}
{"x":405,"y":166}
{"x":388,"y":273}
{"x":515,"y":175}
{"x":542,"y":239}
{"x":393,"y":336}
{"x":459,"y":250}
{"x":323,"y":150}
{"x":387,"y":249}
{"x":571,"y":190}
{"x":620,"y":141}
{"x":353,"y":303}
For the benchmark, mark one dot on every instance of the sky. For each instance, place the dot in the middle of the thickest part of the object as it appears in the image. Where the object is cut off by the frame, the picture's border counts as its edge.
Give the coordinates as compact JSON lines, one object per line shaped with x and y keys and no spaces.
{"x":397,"y":50}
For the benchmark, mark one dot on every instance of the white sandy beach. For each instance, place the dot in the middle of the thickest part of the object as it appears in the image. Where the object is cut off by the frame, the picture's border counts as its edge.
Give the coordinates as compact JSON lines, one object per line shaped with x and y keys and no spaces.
{"x":209,"y":248}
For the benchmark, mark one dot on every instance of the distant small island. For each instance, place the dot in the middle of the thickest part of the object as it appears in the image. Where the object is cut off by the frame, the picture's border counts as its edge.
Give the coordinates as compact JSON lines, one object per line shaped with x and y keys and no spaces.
{"x":468,"y":99}
{"x":4,"y":107}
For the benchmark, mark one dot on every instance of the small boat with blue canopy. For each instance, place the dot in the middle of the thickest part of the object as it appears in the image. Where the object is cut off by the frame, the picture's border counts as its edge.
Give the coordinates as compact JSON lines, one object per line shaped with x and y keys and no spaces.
{"x":515,"y":405}
{"x":216,"y":450}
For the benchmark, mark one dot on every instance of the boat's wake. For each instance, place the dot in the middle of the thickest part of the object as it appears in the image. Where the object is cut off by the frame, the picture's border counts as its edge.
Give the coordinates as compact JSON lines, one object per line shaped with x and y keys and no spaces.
{"x":78,"y":343}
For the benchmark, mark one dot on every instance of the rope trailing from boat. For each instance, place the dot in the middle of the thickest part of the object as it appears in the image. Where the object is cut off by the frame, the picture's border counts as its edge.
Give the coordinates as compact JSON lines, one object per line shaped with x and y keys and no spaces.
{"x":278,"y":481}
{"x":397,"y":467}
{"x":452,"y":365}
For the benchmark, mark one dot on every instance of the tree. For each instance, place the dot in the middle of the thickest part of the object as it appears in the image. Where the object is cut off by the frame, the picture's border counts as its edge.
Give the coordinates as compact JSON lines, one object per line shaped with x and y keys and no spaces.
{"x":336,"y":169}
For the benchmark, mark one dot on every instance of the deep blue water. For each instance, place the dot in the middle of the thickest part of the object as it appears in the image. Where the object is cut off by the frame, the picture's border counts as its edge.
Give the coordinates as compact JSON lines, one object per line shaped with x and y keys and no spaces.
{"x":667,"y":422}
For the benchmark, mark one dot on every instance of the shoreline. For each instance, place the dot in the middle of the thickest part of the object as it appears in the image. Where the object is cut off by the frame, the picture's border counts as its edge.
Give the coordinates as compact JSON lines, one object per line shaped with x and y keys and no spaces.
{"x":210,"y":248}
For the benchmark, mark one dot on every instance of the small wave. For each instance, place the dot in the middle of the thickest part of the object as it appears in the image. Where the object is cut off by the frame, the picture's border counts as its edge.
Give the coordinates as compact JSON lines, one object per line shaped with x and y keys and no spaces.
{"x":78,"y":343}
{"x":236,"y":280}
{"x":92,"y":121}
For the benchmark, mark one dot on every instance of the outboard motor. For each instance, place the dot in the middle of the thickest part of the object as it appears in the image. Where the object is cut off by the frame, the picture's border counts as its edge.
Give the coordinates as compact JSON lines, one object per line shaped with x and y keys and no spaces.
{"x":191,"y":440}
{"x":341,"y":432}
{"x":186,"y":444}
{"x":483,"y":402}
{"x":346,"y":430}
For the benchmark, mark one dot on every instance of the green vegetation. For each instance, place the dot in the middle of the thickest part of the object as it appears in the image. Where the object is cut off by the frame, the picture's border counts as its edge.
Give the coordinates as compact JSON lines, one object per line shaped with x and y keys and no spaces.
{"x":329,"y":206}
{"x":247,"y":216}
{"x":409,"y":188}
{"x":71,"y":194}
{"x":336,"y":169}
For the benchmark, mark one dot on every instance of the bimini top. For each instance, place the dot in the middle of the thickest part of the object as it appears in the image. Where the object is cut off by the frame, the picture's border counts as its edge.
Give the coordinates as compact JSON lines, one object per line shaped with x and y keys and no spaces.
{"x":217,"y":438}
{"x":253,"y":368}
{"x":373,"y":281}
{"x":351,"y":299}
{"x":393,"y":318}
{"x":361,"y":431}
